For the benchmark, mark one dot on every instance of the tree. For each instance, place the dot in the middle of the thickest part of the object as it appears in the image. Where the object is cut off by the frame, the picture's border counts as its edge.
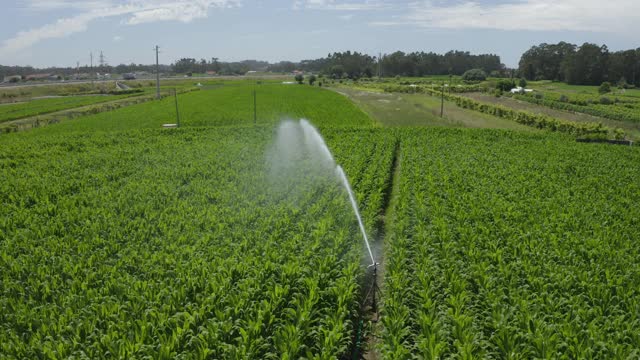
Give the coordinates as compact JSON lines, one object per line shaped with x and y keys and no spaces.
{"x":299,"y":78}
{"x":312,"y":79}
{"x":605,"y":87}
{"x":522,"y":83}
{"x":474,"y":75}
{"x":337,"y":71}
{"x":546,"y":61}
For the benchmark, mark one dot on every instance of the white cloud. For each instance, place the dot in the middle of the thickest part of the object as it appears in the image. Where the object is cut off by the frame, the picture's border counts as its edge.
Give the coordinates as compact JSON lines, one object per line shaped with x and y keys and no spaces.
{"x":533,"y":15}
{"x":117,"y":38}
{"x":134,"y":11}
{"x":340,"y":5}
{"x":47,"y":5}
{"x":346,"y":17}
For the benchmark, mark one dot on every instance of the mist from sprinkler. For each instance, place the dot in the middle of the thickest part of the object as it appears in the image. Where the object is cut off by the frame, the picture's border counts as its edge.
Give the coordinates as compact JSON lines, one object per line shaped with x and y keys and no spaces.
{"x":296,"y":139}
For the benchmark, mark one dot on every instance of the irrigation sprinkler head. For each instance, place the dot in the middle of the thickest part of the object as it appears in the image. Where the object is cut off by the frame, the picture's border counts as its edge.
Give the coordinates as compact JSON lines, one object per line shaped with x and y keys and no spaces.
{"x":374,"y":265}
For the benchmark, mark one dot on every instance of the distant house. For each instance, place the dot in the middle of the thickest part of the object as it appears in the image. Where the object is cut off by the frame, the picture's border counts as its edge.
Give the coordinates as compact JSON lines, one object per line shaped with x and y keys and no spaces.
{"x":298,"y":72}
{"x":212,"y":73}
{"x":38,"y":77}
{"x":129,"y":76}
{"x":12,"y":78}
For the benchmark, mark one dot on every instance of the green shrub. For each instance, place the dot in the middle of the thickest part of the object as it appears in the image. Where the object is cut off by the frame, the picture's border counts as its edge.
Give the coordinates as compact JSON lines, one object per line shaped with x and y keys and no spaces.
{"x":505,"y":85}
{"x":474,"y":75}
{"x":605,"y":87}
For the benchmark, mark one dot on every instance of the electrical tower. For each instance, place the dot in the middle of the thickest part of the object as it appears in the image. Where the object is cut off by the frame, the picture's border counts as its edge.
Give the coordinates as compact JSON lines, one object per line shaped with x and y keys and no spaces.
{"x":102,"y":60}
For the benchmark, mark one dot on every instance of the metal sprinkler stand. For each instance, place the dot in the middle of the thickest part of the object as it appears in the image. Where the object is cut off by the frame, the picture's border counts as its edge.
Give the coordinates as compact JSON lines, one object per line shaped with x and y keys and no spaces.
{"x":374,"y":289}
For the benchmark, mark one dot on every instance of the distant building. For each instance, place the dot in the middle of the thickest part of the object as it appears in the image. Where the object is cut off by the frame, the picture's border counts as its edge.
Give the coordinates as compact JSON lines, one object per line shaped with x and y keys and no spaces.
{"x":38,"y":77}
{"x":298,"y":72}
{"x":129,"y":76}
{"x":212,"y":73}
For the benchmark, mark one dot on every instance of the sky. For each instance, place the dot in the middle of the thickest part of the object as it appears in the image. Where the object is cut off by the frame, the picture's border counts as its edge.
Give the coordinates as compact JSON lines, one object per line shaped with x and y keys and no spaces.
{"x":45,"y":33}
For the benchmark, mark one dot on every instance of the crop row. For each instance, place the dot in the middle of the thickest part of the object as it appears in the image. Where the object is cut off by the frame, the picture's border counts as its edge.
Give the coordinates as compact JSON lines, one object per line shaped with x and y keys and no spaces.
{"x":44,"y":106}
{"x":539,"y":121}
{"x":621,"y":112}
{"x":174,"y":244}
{"x":511,"y":245}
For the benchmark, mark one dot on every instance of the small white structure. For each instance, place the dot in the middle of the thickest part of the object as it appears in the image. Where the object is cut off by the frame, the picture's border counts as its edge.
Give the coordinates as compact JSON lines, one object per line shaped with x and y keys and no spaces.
{"x":520,"y":90}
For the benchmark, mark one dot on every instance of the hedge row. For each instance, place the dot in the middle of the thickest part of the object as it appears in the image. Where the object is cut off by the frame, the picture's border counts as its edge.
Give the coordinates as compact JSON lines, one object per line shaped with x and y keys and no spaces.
{"x":458,"y":89}
{"x":620,"y":113}
{"x":539,"y":121}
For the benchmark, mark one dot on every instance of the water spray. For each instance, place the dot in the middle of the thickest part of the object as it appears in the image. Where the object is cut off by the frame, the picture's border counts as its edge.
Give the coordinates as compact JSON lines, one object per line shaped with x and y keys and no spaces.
{"x":314,"y":141}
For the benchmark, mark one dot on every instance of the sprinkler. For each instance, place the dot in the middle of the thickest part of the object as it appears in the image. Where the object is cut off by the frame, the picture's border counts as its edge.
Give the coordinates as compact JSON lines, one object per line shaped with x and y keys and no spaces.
{"x":374,"y":288}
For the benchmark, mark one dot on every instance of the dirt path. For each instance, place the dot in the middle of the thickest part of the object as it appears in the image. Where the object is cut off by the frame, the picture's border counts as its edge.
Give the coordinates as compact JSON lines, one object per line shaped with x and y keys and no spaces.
{"x":373,"y":338}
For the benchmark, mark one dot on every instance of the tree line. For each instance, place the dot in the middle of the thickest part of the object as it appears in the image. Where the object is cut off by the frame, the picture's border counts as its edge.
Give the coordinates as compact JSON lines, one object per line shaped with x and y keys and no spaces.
{"x":358,"y":65}
{"x":588,"y":64}
{"x":337,"y":65}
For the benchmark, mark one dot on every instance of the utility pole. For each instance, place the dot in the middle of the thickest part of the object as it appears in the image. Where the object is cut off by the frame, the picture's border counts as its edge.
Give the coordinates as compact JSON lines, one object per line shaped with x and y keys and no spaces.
{"x":157,"y":74}
{"x":379,"y":65}
{"x":91,"y":56}
{"x":255,"y":110}
{"x":175,"y":95}
{"x":102,"y":61}
{"x":442,"y":101}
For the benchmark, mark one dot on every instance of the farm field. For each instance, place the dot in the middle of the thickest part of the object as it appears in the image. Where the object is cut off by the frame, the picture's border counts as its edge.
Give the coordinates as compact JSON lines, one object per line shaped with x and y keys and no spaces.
{"x":632,"y":129}
{"x":119,"y":239}
{"x":230,"y":105}
{"x":395,"y":110}
{"x":510,"y":245}
{"x":172,"y":244}
{"x":44,"y":106}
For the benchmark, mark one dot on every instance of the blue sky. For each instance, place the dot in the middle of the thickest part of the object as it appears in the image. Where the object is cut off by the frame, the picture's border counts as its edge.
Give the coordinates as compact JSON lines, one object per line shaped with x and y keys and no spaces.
{"x":60,"y":32}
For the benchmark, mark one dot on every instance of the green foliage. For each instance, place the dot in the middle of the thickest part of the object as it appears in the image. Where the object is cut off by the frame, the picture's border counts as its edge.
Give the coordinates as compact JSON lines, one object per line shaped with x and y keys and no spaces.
{"x":230,"y":105}
{"x":502,"y":246}
{"x":539,"y":121}
{"x":178,"y":244}
{"x":605,"y":101}
{"x":474,"y":75}
{"x":505,"y":85}
{"x":312,"y":79}
{"x":605,"y":88}
{"x":299,"y":78}
{"x":45,"y":106}
{"x":522,"y":83}
{"x":624,"y":111}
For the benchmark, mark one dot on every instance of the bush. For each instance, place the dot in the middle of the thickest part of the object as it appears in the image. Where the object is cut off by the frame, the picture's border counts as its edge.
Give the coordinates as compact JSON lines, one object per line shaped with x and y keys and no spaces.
{"x":538,"y":96}
{"x":505,"y":85}
{"x":605,"y":87}
{"x":497,"y":93}
{"x":522,"y":83}
{"x":474,"y":75}
{"x":564,"y":98}
{"x":605,"y":101}
{"x":299,"y":78}
{"x":312,"y":79}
